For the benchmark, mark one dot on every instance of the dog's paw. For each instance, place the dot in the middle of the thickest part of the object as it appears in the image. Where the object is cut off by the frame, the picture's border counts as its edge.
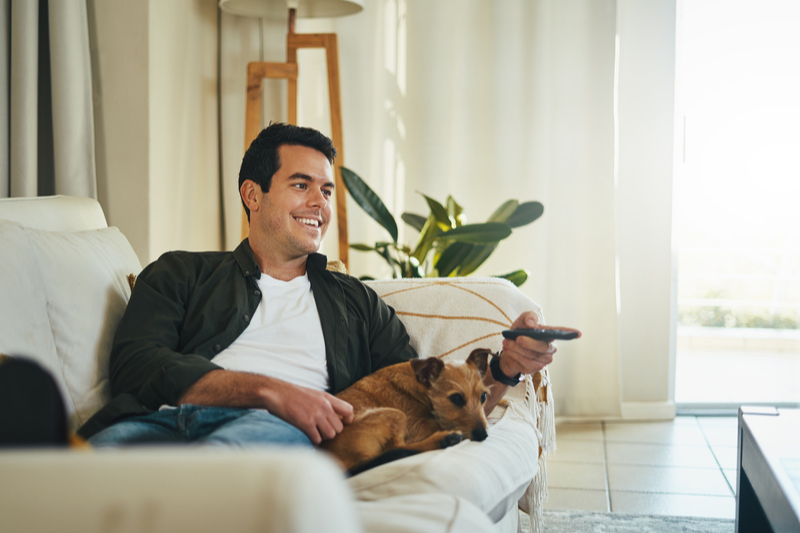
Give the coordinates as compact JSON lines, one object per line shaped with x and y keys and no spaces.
{"x":451,"y":439}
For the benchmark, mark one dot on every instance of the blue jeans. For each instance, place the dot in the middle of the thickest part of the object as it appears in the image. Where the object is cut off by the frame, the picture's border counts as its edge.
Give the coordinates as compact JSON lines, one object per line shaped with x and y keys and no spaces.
{"x":199,"y":424}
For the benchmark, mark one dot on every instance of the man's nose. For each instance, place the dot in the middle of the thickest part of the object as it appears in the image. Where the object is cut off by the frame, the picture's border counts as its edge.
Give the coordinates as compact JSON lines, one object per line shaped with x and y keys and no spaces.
{"x":318,"y":198}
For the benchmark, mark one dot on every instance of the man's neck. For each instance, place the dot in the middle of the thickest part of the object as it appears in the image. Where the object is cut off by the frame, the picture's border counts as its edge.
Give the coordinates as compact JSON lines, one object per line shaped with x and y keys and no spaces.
{"x":282,"y":270}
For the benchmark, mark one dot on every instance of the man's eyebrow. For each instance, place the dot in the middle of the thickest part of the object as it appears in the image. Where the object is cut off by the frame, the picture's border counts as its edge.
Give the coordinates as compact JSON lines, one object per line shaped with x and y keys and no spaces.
{"x":306,"y":177}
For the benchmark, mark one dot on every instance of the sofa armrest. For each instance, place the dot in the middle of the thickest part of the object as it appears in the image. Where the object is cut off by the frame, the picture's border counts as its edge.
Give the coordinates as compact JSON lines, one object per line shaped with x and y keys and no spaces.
{"x":448,"y":318}
{"x":168,"y":490}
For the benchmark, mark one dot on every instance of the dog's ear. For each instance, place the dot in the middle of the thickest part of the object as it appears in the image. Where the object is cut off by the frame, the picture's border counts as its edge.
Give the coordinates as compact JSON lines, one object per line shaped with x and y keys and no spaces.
{"x":480,"y":359}
{"x":427,"y":370}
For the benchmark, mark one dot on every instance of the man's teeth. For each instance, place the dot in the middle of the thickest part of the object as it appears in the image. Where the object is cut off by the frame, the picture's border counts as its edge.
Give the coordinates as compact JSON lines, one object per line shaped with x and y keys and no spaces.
{"x":309,"y":222}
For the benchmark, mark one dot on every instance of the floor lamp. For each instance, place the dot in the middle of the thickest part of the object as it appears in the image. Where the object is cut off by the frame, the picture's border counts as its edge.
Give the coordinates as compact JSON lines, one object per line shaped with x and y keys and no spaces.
{"x":257,"y":71}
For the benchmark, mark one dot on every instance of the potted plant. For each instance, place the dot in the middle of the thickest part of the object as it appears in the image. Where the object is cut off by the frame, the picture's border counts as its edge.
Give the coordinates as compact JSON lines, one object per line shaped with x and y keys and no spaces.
{"x":447,"y":245}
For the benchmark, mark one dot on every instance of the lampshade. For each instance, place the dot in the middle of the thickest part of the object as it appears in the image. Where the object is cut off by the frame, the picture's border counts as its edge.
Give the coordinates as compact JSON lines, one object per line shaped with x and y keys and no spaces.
{"x":279,"y":8}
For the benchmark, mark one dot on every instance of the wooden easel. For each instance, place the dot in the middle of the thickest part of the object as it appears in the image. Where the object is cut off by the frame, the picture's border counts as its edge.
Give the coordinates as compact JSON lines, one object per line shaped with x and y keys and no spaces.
{"x":257,"y":71}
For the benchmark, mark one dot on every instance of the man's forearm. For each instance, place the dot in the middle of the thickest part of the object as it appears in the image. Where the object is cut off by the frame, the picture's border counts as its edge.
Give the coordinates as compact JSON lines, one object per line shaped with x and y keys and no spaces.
{"x":224,"y":388}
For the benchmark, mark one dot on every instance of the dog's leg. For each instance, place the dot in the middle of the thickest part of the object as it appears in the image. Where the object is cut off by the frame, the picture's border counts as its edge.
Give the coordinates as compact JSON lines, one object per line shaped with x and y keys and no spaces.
{"x":437,"y":441}
{"x":369,"y":435}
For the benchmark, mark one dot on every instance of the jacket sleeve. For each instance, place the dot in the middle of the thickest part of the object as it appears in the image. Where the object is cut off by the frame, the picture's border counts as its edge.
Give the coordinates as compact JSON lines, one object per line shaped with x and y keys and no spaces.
{"x":145,"y":361}
{"x":389,"y":342}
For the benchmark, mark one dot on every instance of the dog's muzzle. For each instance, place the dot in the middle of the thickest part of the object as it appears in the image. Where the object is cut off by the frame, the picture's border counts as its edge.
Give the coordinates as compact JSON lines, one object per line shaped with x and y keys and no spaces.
{"x":479,"y":434}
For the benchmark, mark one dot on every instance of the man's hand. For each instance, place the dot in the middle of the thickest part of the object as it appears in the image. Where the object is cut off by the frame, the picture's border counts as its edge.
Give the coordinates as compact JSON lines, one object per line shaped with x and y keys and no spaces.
{"x":524,"y":354}
{"x":316,"y":413}
{"x":321,"y":416}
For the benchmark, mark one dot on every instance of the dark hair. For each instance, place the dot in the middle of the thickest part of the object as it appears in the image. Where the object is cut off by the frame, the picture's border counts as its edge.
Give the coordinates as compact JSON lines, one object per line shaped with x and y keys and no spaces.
{"x":262,"y":160}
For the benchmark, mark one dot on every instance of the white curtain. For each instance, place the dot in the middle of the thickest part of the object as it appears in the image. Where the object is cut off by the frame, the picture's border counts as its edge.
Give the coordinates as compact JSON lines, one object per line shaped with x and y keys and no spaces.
{"x":489,"y":100}
{"x":47,"y":130}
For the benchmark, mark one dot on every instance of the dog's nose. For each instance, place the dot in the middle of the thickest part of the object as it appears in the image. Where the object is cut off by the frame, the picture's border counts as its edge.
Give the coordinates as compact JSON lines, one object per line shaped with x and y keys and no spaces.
{"x":479,"y":434}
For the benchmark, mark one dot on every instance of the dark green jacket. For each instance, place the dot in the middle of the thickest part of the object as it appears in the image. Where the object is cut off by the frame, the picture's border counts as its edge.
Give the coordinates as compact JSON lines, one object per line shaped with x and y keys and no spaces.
{"x":187,"y":307}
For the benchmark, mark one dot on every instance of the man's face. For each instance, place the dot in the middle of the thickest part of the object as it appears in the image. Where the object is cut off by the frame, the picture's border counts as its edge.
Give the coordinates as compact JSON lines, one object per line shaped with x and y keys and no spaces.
{"x":297,"y":208}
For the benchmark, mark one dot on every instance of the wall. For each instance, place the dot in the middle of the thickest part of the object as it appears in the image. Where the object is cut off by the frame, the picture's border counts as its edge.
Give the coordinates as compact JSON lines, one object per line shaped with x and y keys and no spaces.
{"x":156,"y":122}
{"x":646,"y":74}
{"x":120,"y":50}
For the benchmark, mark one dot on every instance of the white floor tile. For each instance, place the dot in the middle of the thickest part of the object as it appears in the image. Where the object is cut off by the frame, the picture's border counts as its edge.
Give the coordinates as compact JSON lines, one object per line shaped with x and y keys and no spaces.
{"x":682,"y":432}
{"x":577,"y":500}
{"x":660,"y":455}
{"x":579,"y":431}
{"x":577,"y":451}
{"x":576,"y":476}
{"x":730,"y":475}
{"x":726,"y":455}
{"x":667,"y":479}
{"x":673,"y":504}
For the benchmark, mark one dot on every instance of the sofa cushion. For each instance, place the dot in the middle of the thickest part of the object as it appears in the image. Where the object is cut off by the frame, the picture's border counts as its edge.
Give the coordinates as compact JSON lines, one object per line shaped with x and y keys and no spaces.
{"x":82,"y":276}
{"x":492,"y":474}
{"x":450,"y":317}
{"x":24,"y":326}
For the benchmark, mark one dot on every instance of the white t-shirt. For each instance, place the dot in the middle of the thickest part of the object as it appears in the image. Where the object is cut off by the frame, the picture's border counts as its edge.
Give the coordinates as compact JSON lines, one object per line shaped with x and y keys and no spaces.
{"x":284,"y":338}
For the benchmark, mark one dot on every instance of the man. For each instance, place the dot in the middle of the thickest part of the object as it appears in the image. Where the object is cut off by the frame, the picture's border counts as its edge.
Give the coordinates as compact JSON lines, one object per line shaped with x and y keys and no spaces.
{"x":248,"y":347}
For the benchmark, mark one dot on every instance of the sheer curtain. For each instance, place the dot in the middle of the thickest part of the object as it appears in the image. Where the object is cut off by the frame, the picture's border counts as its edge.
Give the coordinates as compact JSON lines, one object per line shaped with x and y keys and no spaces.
{"x":47,"y":131}
{"x":487,"y":101}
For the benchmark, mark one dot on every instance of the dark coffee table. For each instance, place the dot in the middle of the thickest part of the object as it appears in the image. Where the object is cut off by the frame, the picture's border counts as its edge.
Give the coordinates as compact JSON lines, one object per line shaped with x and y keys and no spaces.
{"x":768,"y":479}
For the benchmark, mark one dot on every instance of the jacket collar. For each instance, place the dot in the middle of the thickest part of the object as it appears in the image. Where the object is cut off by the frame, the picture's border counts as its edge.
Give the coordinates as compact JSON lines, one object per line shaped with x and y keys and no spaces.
{"x":244,"y":256}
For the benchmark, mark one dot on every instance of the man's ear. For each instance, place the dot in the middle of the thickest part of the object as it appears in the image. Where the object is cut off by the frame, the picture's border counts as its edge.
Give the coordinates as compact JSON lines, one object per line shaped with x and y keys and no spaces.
{"x":479,"y":359}
{"x":251,"y":194}
{"x":427,"y":370}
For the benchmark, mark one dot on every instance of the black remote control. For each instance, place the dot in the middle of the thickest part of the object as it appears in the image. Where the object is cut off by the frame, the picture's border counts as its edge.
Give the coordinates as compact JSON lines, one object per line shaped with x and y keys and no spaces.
{"x":543,"y":334}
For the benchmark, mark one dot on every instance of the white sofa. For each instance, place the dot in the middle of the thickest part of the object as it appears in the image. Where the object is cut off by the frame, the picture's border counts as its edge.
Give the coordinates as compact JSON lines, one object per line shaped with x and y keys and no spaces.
{"x":63,"y":288}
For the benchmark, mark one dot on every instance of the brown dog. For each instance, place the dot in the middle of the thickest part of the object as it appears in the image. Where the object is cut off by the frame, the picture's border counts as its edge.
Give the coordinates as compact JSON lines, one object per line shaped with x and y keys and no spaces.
{"x":417,"y":406}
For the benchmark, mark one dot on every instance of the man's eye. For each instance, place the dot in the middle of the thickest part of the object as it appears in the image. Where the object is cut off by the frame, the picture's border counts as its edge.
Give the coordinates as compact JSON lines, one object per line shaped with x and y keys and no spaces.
{"x":300,"y":185}
{"x":327,"y":192}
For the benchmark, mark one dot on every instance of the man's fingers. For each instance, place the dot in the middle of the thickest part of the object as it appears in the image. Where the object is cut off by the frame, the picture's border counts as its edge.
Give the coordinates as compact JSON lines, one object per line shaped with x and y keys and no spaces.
{"x":528,"y":319}
{"x":343,"y":409}
{"x":327,"y":430}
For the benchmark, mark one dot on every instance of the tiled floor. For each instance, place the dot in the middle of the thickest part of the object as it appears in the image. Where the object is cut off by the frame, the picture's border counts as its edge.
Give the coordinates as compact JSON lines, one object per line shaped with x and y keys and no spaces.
{"x":685,"y":467}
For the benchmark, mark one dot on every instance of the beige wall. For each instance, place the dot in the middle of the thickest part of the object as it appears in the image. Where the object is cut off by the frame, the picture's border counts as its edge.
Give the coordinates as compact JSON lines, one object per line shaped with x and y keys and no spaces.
{"x":119,"y":49}
{"x":154,"y":66}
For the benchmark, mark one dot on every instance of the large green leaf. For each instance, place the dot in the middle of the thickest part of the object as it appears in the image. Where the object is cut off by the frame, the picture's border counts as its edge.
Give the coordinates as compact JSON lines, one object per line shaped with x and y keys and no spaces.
{"x":414,"y":220}
{"x":439,"y":211}
{"x":486,"y":233}
{"x":475,"y":259}
{"x":369,"y":201}
{"x":363,"y":247}
{"x":525,"y":214}
{"x":503,"y":212}
{"x":426,"y":238}
{"x":518,"y":277}
{"x":456,"y":212}
{"x":452,"y":257}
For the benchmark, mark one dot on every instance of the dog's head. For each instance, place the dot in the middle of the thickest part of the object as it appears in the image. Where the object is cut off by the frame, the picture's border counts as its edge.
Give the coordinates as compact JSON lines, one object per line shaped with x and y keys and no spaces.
{"x":456,"y":392}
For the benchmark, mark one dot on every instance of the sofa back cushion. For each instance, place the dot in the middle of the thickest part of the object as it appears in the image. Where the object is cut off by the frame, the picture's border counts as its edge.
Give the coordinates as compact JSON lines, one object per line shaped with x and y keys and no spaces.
{"x":450,"y":317}
{"x":82,"y":277}
{"x":24,"y":326}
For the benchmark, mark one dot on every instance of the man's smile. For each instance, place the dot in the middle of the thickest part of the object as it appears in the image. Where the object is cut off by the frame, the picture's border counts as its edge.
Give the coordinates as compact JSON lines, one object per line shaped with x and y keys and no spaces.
{"x":308,"y":221}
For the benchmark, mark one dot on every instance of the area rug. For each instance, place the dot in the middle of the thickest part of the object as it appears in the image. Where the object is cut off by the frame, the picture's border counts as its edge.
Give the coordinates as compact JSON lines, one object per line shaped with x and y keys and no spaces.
{"x":596,"y":522}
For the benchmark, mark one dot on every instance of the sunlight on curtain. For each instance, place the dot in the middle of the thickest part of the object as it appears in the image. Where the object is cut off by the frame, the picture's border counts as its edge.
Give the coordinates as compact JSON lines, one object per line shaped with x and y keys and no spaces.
{"x":491,"y":101}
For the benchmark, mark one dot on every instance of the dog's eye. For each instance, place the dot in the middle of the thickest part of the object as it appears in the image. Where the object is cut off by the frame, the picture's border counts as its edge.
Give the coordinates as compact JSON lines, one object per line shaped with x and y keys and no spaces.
{"x":483,"y":397}
{"x":458,"y":400}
